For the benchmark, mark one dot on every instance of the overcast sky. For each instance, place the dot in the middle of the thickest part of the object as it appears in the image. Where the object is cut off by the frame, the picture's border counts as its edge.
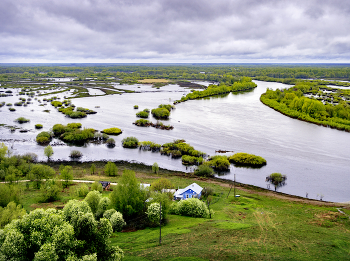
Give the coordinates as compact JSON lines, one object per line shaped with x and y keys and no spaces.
{"x":227,"y":31}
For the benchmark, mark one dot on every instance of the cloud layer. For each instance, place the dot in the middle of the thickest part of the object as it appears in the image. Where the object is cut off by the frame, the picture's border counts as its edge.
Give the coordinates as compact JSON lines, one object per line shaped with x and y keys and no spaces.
{"x":174,"y":31}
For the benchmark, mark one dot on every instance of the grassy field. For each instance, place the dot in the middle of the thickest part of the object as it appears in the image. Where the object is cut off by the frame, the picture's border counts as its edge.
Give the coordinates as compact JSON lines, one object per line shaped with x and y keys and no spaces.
{"x":152,"y":80}
{"x":258,"y":225}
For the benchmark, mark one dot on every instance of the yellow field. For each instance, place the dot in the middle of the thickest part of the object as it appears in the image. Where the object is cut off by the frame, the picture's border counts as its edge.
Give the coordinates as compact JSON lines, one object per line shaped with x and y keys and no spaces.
{"x":152,"y":80}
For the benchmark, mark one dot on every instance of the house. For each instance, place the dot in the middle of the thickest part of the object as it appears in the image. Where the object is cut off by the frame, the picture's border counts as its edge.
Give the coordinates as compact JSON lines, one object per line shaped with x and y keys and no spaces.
{"x":191,"y":191}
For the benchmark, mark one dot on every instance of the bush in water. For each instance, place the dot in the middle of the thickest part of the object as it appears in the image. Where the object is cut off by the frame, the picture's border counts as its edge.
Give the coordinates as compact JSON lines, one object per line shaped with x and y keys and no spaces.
{"x":130,"y":142}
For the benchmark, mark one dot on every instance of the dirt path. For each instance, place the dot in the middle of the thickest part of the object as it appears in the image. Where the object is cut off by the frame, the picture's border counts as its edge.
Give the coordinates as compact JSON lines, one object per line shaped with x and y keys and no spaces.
{"x":269,"y":193}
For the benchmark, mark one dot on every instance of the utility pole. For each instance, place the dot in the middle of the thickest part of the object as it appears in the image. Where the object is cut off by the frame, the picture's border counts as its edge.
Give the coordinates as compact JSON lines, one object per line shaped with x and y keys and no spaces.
{"x":160,"y":223}
{"x":234,"y":185}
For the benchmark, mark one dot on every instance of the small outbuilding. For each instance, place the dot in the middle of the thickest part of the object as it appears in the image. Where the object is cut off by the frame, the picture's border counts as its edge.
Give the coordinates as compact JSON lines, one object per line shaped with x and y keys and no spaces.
{"x":191,"y":191}
{"x":105,"y":185}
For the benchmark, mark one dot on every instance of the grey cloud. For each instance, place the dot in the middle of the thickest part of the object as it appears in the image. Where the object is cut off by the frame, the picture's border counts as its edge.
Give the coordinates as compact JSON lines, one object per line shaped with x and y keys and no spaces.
{"x":174,"y":30}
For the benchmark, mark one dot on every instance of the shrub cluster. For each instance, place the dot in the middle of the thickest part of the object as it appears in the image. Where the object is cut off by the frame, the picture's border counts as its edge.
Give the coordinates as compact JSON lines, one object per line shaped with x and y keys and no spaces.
{"x":38,"y":126}
{"x":149,"y":145}
{"x":178,"y":148}
{"x":191,"y":207}
{"x":247,"y":159}
{"x":191,"y":160}
{"x":72,"y":133}
{"x":143,"y":114}
{"x":43,"y":138}
{"x":75,"y":154}
{"x":219,"y":162}
{"x":112,"y":131}
{"x":142,"y":123}
{"x":22,"y":120}
{"x":204,"y":171}
{"x":130,"y":142}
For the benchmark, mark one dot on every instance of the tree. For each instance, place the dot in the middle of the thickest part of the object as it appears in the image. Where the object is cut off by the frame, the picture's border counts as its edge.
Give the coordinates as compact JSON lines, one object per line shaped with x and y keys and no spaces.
{"x":92,"y":169}
{"x":155,"y":168}
{"x":128,"y":197}
{"x":66,"y":176}
{"x":48,"y":151}
{"x":204,"y":171}
{"x":39,"y":172}
{"x":3,"y":150}
{"x":161,"y":184}
{"x":49,"y":235}
{"x":277,"y":179}
{"x":93,"y":199}
{"x":10,"y":212}
{"x":111,"y":169}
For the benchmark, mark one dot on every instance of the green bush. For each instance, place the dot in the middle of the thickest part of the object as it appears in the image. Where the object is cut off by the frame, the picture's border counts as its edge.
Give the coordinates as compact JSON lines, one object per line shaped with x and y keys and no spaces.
{"x":191,"y":160}
{"x":74,"y":125}
{"x":117,"y":221}
{"x":136,"y":106}
{"x":43,"y":137}
{"x":155,"y":168}
{"x":50,"y":191}
{"x":112,"y":131}
{"x":169,"y":107}
{"x":110,"y":142}
{"x":219,"y":162}
{"x":22,"y":120}
{"x":142,"y":123}
{"x":97,"y":186}
{"x":130,"y":142}
{"x":247,"y":159}
{"x":191,"y":207}
{"x":204,"y":171}
{"x":93,"y":199}
{"x":108,"y":213}
{"x":58,"y":129}
{"x":47,"y":235}
{"x":83,"y":190}
{"x":160,"y":113}
{"x":142,"y":114}
{"x":111,"y":169}
{"x":38,"y":126}
{"x":153,"y":213}
{"x":75,"y":154}
{"x":10,"y":212}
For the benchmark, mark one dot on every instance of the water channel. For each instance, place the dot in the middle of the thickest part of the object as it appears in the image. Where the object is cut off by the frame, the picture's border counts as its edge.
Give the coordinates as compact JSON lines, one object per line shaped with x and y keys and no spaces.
{"x":314,"y":158}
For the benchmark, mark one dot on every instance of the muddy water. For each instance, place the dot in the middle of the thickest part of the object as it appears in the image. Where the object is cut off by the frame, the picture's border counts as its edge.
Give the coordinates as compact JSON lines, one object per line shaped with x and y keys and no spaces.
{"x":315,"y":159}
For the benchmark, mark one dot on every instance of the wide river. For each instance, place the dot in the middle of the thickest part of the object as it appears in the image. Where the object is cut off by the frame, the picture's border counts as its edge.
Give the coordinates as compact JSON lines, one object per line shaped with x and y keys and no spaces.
{"x":315,"y":159}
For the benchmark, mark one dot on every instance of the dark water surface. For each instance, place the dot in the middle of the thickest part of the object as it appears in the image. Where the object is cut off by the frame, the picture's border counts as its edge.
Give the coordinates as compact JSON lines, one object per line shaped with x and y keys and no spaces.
{"x":315,"y":159}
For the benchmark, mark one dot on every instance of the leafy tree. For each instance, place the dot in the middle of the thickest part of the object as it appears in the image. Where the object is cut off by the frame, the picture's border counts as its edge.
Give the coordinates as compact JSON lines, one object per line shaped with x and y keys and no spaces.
{"x":204,"y":171}
{"x":50,"y":191}
{"x":92,"y":169}
{"x":111,"y":169}
{"x":93,"y":199}
{"x":161,"y":184}
{"x":48,"y":151}
{"x":277,"y":179}
{"x":97,"y":186}
{"x":130,"y":142}
{"x":155,"y":168}
{"x":48,"y":235}
{"x":3,"y":150}
{"x":10,"y":212}
{"x":66,"y":176}
{"x":128,"y":197}
{"x":39,"y":172}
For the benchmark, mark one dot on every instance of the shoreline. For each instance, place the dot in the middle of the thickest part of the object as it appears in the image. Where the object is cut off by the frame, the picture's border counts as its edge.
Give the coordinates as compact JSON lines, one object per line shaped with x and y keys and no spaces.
{"x":226,"y":182}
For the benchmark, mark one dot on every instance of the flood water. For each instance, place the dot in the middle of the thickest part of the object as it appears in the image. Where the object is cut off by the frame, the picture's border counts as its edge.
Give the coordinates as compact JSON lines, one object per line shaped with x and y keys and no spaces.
{"x":315,"y":159}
